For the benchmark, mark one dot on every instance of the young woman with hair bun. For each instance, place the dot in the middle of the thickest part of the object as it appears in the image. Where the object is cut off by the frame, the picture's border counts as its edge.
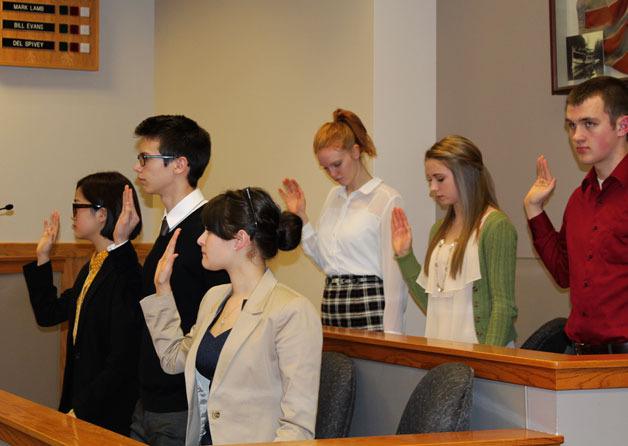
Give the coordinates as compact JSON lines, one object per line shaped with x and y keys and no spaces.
{"x":351,"y":244}
{"x":467,"y":284}
{"x":252,"y":360}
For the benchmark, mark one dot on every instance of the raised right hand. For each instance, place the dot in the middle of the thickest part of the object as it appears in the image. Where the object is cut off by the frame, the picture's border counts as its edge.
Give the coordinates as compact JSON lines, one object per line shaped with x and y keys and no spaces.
{"x":401,"y":232}
{"x":294,"y":198}
{"x":541,"y":189}
{"x":128,"y":219}
{"x":48,"y":238}
{"x":164,"y":266}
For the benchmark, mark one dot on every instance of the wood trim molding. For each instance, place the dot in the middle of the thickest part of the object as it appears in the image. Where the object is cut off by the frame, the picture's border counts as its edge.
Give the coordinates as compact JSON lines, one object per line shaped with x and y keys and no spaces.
{"x":23,"y":422}
{"x":14,"y":255}
{"x":517,"y":366}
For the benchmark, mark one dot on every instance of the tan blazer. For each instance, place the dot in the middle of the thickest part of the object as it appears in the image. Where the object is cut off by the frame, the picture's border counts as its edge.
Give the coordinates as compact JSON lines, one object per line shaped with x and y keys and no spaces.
{"x":265,"y":387}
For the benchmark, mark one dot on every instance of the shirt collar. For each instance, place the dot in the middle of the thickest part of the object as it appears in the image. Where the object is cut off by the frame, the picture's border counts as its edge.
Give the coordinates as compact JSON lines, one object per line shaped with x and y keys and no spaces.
{"x":185,"y":207}
{"x":620,"y":173}
{"x":366,"y":188}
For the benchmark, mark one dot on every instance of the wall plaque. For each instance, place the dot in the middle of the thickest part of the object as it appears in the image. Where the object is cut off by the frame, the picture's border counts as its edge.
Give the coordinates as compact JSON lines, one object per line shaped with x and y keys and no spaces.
{"x":50,"y":34}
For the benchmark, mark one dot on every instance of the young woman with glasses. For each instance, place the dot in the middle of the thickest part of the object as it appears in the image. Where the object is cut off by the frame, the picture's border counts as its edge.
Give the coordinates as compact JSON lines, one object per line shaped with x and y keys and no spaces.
{"x":252,"y":360}
{"x":100,"y":377}
{"x":351,"y":244}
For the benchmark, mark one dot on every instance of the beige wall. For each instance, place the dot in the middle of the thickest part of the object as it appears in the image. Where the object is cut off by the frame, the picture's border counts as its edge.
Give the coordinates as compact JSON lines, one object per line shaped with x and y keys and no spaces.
{"x":57,"y":126}
{"x":60,"y":125}
{"x":262,"y":77}
{"x":494,"y":87}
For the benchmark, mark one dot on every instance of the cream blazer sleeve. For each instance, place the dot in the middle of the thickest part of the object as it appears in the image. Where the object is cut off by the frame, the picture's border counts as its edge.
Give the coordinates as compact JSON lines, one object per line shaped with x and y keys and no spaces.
{"x":164,"y":324}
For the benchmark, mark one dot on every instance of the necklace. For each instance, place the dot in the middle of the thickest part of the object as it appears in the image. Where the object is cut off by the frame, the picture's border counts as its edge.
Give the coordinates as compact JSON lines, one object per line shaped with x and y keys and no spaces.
{"x":224,"y":318}
{"x":440,"y":282}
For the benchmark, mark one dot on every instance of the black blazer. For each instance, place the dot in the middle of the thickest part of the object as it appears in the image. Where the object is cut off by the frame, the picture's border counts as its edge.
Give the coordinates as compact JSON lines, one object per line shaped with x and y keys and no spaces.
{"x":100,"y":378}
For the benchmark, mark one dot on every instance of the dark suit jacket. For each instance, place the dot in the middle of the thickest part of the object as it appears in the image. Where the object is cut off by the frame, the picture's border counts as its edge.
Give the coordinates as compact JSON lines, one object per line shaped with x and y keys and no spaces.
{"x":100,"y":378}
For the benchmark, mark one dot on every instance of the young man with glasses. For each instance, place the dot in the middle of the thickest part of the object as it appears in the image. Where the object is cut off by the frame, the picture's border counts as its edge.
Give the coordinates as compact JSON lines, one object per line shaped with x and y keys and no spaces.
{"x":590,"y":253}
{"x":174,"y":151}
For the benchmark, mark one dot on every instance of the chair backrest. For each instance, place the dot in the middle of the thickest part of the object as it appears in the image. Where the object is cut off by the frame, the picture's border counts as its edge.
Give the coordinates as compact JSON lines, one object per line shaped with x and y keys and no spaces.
{"x":549,"y":337}
{"x":441,"y":401}
{"x":336,"y":396}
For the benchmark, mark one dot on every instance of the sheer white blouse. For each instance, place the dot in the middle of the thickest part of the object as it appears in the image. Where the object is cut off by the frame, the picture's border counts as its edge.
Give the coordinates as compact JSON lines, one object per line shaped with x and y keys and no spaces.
{"x":354,"y":237}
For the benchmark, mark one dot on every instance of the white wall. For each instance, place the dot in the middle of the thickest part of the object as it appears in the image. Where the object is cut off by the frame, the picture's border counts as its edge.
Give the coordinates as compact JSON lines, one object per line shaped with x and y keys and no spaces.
{"x":404,"y":103}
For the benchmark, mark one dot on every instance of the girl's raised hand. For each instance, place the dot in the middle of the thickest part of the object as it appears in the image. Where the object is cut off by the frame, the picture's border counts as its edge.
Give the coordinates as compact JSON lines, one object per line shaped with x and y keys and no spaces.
{"x":401,"y":233}
{"x":48,"y":238}
{"x":128,"y":219}
{"x":294,"y":198}
{"x":164,"y":267}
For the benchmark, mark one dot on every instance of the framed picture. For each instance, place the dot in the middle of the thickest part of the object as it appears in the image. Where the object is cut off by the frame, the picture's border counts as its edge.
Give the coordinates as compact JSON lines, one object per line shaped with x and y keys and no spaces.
{"x":588,"y":38}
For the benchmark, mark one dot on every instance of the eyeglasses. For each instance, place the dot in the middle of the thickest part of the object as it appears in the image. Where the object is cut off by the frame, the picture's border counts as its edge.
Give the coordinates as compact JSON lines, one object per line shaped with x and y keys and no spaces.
{"x":143,"y":156}
{"x":77,"y":206}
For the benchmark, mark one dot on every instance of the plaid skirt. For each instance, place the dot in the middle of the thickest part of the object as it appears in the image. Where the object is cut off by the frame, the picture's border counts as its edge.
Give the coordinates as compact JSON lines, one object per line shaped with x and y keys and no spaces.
{"x":353,"y":302}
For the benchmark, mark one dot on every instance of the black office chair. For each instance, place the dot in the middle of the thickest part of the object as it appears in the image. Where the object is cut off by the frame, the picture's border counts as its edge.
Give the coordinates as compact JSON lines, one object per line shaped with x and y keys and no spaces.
{"x":550,"y":337}
{"x":441,"y":401}
{"x":336,"y":396}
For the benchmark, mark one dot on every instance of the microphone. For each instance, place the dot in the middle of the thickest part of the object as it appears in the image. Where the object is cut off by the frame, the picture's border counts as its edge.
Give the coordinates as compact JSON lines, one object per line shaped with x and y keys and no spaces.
{"x":7,"y":207}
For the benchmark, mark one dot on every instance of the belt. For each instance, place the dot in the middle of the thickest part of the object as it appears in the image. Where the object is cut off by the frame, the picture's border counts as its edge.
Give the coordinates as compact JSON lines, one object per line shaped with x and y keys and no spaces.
{"x":601,"y":349}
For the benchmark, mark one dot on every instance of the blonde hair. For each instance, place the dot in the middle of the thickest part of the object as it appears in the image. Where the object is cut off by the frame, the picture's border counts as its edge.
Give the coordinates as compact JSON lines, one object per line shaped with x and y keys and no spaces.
{"x":347,"y":129}
{"x":475,"y":192}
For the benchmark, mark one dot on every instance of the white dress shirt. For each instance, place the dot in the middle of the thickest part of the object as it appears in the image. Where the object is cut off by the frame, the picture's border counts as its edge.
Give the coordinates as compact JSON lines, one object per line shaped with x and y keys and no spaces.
{"x":185,"y":207}
{"x":354,"y":237}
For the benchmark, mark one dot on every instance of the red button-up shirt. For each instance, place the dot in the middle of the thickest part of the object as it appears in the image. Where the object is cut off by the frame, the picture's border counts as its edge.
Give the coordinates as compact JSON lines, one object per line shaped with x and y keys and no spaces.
{"x":590,"y":256}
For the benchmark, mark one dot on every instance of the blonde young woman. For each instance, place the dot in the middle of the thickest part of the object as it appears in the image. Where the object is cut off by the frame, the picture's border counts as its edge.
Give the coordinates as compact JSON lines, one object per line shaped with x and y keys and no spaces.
{"x":467,"y":286}
{"x":364,"y":288}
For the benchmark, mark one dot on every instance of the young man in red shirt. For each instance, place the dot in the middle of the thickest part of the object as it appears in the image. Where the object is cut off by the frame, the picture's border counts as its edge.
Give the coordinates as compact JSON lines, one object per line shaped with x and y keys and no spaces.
{"x":590,"y":252}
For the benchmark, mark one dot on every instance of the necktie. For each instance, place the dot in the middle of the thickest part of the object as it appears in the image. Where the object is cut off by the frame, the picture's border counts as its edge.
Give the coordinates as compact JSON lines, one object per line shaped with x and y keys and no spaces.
{"x":94,"y":266}
{"x":164,"y":227}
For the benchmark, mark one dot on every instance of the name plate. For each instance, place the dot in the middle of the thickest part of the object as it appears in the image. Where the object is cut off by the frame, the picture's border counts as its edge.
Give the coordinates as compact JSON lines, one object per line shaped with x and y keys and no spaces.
{"x":50,"y":34}
{"x":20,"y":25}
{"x":41,"y":8}
{"x":28,"y":44}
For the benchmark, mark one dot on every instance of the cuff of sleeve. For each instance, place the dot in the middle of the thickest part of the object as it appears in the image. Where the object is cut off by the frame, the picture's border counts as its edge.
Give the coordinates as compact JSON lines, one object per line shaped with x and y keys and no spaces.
{"x":540,"y":224}
{"x":307,"y":231}
{"x":408,"y":260}
{"x":113,"y":246}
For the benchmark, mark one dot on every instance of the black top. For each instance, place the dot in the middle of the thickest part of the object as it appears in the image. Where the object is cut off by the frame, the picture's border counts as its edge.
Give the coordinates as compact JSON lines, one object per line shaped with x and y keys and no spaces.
{"x":100,"y":376}
{"x":159,"y":391}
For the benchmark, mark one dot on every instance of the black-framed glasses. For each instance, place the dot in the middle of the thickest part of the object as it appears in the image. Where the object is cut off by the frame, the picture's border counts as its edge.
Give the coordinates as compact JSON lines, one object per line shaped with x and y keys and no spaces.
{"x":77,"y":206}
{"x":143,"y":156}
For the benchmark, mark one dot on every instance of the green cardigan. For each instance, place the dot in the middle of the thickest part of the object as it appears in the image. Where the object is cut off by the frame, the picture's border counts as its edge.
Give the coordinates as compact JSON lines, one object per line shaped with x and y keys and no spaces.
{"x":494,"y":306}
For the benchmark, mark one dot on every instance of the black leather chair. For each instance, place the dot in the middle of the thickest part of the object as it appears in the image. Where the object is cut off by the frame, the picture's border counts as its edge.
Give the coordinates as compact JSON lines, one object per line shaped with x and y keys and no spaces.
{"x":441,"y":401}
{"x":550,"y":337}
{"x":336,"y":396}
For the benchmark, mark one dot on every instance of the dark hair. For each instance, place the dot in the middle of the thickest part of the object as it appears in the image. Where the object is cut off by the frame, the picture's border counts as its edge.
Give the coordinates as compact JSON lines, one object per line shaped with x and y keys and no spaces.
{"x":269,"y":228}
{"x":612,"y":91}
{"x":179,"y":136}
{"x":347,"y":129}
{"x":105,"y":189}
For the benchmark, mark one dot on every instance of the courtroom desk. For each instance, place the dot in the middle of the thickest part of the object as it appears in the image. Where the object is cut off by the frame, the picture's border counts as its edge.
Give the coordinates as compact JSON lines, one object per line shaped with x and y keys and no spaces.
{"x":582,"y":398}
{"x":23,"y":422}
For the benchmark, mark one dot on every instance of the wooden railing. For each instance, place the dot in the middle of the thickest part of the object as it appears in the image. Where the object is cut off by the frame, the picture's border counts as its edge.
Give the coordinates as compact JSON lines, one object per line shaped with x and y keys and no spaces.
{"x":23,"y":422}
{"x":517,"y":366}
